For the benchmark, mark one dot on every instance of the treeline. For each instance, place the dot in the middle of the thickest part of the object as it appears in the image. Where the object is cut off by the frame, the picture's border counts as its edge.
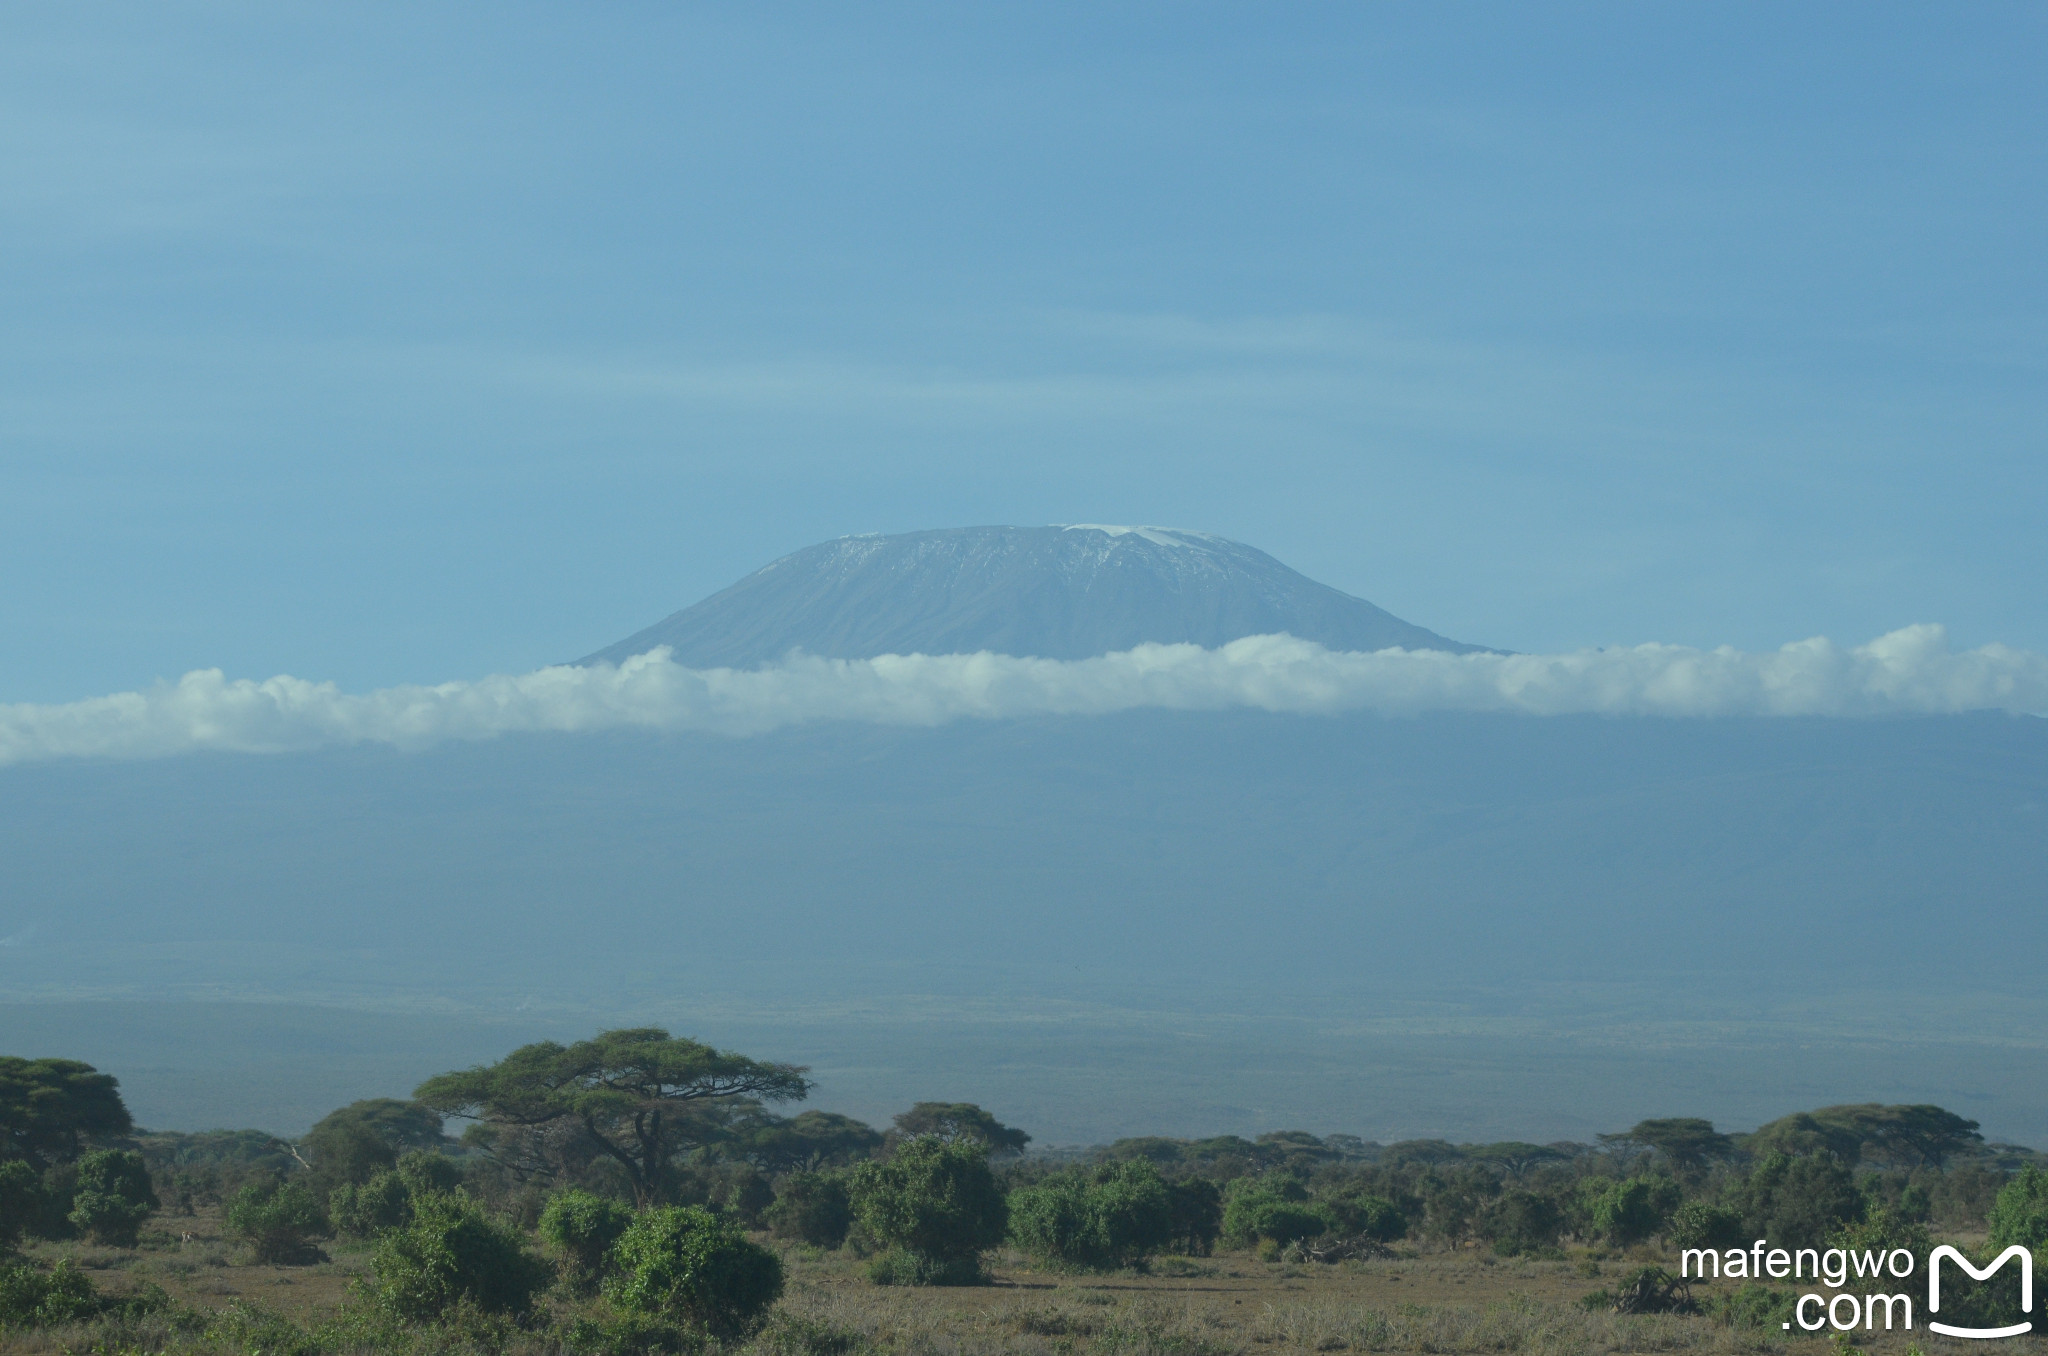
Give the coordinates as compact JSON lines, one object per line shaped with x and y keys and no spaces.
{"x":619,"y":1188}
{"x":1797,"y":1180}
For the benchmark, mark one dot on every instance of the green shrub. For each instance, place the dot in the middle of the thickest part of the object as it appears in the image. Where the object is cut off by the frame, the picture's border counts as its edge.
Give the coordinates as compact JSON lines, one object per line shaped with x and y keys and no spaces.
{"x":582,"y":1227}
{"x":1631,"y":1211}
{"x":1094,"y":1219}
{"x":686,"y":1264}
{"x":1882,"y":1230}
{"x":1365,"y":1216}
{"x":1798,"y":1202}
{"x":452,"y":1253}
{"x":384,"y":1202}
{"x":617,"y":1334}
{"x":41,"y":1299}
{"x":355,"y":1143}
{"x":1453,"y":1194}
{"x":425,"y":1172}
{"x":1051,"y":1221}
{"x":111,"y":1197}
{"x":935,"y":1202}
{"x":372,"y":1208}
{"x":813,"y":1208}
{"x":901,"y":1266}
{"x":1980,"y":1304}
{"x":1274,"y":1210}
{"x":1520,"y":1222}
{"x":278,"y":1221}
{"x":1701,"y":1224}
{"x":241,"y":1326}
{"x":2020,"y":1213}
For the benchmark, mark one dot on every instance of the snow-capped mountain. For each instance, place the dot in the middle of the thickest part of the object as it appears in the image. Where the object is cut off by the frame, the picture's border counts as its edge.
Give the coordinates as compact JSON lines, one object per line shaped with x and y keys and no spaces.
{"x":1064,"y":592}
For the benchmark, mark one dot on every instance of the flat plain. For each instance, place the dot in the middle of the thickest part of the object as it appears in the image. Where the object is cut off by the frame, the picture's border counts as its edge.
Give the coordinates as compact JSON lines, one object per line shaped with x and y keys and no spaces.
{"x":1230,"y":1304}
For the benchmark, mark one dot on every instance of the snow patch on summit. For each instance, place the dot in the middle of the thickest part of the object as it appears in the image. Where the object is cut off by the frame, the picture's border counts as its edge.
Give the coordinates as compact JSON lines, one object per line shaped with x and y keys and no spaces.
{"x":1162,"y":536}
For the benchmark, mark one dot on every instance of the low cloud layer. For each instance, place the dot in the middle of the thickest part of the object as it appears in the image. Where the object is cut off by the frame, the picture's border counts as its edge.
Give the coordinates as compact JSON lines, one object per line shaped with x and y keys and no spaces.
{"x":1909,"y":672}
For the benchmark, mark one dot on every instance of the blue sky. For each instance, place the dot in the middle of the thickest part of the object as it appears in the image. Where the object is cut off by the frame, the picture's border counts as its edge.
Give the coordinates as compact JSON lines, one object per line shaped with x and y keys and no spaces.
{"x":391,"y":343}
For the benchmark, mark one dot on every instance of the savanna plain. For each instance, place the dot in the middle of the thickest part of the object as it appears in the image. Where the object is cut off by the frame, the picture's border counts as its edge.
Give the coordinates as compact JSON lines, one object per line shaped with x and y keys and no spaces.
{"x":639,"y":1192}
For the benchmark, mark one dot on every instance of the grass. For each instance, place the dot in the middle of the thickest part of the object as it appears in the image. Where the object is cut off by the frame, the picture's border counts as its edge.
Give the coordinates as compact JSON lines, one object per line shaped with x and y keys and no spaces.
{"x":1228,"y":1305}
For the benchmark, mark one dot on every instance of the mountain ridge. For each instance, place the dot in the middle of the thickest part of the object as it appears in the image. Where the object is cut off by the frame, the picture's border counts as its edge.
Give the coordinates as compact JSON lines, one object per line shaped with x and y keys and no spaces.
{"x":1066,"y":591}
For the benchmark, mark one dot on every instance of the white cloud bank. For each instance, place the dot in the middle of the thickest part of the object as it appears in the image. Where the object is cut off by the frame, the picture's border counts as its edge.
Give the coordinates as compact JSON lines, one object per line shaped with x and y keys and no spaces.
{"x":1908,"y":672}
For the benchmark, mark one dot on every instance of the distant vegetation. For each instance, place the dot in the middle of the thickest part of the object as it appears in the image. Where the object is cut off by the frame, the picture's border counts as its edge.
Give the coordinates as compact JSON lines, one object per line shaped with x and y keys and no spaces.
{"x":638,"y":1192}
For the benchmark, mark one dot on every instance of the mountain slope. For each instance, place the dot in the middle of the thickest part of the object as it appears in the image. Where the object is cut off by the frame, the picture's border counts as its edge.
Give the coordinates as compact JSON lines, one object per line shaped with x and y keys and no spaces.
{"x":1055,"y":592}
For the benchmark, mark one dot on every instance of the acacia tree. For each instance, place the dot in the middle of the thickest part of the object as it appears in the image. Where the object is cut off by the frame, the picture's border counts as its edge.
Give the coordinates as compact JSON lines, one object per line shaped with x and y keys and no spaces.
{"x":956,"y":1121}
{"x":50,"y":1109}
{"x":356,"y":1142}
{"x":1803,"y":1134}
{"x":627,"y":1096}
{"x":1514,"y":1157}
{"x":1903,"y":1136}
{"x":806,"y":1142}
{"x":1908,"y":1136}
{"x":1687,"y":1141}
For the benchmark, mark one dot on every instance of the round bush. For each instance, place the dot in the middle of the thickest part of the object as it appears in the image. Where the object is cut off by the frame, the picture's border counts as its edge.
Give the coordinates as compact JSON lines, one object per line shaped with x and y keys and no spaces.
{"x":1271,"y":1210}
{"x":1631,"y":1211}
{"x":2020,"y":1214}
{"x":687,"y":1264}
{"x":813,"y":1208}
{"x":450,"y":1252}
{"x":1702,"y":1224}
{"x":582,"y":1227}
{"x":383,"y":1202}
{"x":112,"y":1197}
{"x":1050,"y":1221}
{"x":1522,"y":1222}
{"x":424,"y":1171}
{"x":380,"y":1204}
{"x":41,"y":1299}
{"x":278,"y":1221}
{"x":935,"y":1201}
{"x":1366,"y":1216}
{"x":1286,"y":1222}
{"x":1095,"y":1220}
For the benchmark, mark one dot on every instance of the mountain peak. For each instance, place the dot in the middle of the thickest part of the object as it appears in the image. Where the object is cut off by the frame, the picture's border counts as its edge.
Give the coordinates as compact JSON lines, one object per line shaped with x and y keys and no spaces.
{"x":1068,"y":591}
{"x":1158,"y":536}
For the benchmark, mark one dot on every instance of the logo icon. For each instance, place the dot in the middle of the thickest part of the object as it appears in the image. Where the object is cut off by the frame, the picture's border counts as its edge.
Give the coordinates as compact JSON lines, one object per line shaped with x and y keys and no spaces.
{"x":2026,"y":1260}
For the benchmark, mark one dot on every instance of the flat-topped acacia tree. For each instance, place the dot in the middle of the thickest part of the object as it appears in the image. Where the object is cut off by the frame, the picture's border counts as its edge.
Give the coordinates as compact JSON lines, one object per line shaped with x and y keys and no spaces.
{"x":628,"y":1094}
{"x":1689,"y":1142}
{"x":51,"y":1109}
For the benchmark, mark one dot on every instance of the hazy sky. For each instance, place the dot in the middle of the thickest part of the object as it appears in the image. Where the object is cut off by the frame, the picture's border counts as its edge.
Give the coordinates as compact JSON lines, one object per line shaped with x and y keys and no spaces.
{"x":389,"y":343}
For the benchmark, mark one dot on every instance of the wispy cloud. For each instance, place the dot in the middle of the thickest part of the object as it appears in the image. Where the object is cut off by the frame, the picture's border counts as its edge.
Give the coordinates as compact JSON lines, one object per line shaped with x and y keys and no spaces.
{"x":1912,"y":671}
